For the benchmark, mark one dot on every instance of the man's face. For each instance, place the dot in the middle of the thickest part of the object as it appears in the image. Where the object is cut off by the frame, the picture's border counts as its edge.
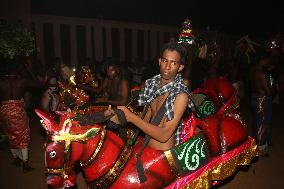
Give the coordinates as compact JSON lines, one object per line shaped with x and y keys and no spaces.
{"x":170,"y":64}
{"x":111,"y":71}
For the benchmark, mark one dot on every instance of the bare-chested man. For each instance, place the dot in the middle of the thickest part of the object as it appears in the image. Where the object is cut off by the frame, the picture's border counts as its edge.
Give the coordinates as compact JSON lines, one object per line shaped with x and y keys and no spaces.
{"x":13,"y":114}
{"x":261,"y":100}
{"x":115,"y":87}
{"x":166,"y":87}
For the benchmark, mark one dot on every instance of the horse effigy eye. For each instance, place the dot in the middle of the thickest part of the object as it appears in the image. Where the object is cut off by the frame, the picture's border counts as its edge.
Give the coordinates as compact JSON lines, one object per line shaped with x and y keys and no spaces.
{"x":52,"y":154}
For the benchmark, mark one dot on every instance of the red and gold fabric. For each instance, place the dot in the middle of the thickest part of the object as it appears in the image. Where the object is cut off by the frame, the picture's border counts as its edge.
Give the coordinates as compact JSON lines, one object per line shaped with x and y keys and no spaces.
{"x":16,"y":123}
{"x":219,"y":168}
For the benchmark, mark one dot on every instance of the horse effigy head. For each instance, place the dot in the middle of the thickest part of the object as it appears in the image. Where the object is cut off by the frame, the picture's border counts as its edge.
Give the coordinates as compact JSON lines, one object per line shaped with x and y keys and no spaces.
{"x":61,"y":138}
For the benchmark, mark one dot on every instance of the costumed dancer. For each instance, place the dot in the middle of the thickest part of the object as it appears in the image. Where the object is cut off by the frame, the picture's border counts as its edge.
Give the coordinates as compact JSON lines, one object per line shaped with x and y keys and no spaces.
{"x":17,"y":129}
{"x":261,"y":101}
{"x":277,"y":68}
{"x":165,"y":98}
{"x":13,"y":115}
{"x":244,"y":52}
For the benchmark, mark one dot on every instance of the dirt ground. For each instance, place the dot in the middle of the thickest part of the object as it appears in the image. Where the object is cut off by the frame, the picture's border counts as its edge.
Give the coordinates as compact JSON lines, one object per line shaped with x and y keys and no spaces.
{"x":263,"y":173}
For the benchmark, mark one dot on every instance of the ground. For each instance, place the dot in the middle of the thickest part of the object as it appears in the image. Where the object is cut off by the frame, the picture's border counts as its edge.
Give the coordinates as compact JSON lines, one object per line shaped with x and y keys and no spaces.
{"x":263,"y":173}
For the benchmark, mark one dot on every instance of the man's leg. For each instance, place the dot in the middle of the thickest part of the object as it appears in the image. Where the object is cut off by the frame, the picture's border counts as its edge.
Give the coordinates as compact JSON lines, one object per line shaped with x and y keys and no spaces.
{"x":17,"y":157}
{"x":26,"y":166}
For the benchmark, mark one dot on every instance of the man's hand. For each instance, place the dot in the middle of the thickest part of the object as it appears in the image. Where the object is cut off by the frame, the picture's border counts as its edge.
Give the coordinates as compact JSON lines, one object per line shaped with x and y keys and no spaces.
{"x":115,"y":119}
{"x":127,"y":112}
{"x":109,"y":112}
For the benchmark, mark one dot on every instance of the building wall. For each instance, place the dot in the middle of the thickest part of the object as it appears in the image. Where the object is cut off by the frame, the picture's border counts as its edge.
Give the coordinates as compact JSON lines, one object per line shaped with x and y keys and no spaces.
{"x":75,"y":39}
{"x":98,"y":39}
{"x":15,"y":10}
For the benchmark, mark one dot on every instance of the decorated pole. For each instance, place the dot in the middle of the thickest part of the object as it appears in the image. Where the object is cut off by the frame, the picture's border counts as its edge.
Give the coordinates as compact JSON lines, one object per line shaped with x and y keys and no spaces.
{"x":186,"y":35}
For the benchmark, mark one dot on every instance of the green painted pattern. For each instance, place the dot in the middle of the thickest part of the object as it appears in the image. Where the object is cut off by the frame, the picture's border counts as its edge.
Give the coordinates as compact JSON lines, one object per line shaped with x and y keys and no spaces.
{"x":191,"y":154}
{"x":207,"y":108}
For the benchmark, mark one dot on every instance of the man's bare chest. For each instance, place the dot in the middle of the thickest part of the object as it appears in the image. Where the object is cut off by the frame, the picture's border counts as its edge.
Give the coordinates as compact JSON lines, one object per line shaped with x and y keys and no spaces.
{"x":157,"y":104}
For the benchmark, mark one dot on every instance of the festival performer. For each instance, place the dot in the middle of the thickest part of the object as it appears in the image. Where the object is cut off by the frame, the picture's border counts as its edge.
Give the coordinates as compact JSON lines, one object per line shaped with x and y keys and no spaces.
{"x":13,"y":115}
{"x":155,"y":162}
{"x":115,"y":87}
{"x":165,"y":99}
{"x":50,"y":99}
{"x":166,"y":90}
{"x":261,"y":101}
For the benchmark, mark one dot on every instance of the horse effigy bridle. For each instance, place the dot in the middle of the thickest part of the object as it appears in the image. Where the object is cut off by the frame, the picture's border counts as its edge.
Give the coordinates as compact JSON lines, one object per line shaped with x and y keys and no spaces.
{"x":65,"y":136}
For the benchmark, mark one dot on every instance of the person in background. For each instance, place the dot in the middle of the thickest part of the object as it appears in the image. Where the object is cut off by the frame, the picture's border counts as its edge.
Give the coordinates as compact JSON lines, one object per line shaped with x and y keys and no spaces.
{"x":199,"y":69}
{"x":137,"y":69}
{"x":13,"y":114}
{"x":115,"y":87}
{"x":50,"y":98}
{"x":261,"y":101}
{"x":234,"y":75}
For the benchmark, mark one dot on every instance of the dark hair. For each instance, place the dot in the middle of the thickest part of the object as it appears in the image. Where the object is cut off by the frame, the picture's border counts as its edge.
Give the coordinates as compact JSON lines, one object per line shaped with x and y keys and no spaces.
{"x":113,"y":63}
{"x":175,"y":46}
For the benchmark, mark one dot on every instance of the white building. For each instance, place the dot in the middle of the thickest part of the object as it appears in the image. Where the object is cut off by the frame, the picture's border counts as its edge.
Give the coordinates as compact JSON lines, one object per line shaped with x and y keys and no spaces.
{"x":75,"y":39}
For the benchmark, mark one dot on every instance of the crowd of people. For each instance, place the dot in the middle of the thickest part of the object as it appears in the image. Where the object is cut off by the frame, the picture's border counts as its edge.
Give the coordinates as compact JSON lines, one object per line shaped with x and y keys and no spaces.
{"x":167,"y":83}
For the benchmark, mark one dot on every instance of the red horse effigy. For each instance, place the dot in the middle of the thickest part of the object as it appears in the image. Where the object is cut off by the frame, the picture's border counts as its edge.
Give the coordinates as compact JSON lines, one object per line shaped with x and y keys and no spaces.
{"x":211,"y":154}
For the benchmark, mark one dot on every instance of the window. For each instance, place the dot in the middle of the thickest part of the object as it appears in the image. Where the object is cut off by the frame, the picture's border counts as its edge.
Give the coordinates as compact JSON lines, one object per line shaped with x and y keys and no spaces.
{"x":128,"y":45}
{"x":65,"y":43}
{"x":140,"y":45}
{"x":48,"y":44}
{"x":115,"y":43}
{"x":81,"y":44}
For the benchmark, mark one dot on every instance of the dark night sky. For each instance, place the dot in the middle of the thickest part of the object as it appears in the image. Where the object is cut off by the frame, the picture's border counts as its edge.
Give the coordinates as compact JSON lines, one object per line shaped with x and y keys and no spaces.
{"x":235,"y":17}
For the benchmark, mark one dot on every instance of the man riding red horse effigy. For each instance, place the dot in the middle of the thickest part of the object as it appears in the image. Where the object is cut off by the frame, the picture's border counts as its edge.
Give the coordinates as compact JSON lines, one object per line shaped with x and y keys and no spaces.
{"x":167,"y":156}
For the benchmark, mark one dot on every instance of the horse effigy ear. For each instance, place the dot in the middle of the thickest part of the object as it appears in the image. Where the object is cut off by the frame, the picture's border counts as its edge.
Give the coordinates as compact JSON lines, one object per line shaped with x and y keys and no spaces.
{"x":48,"y":122}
